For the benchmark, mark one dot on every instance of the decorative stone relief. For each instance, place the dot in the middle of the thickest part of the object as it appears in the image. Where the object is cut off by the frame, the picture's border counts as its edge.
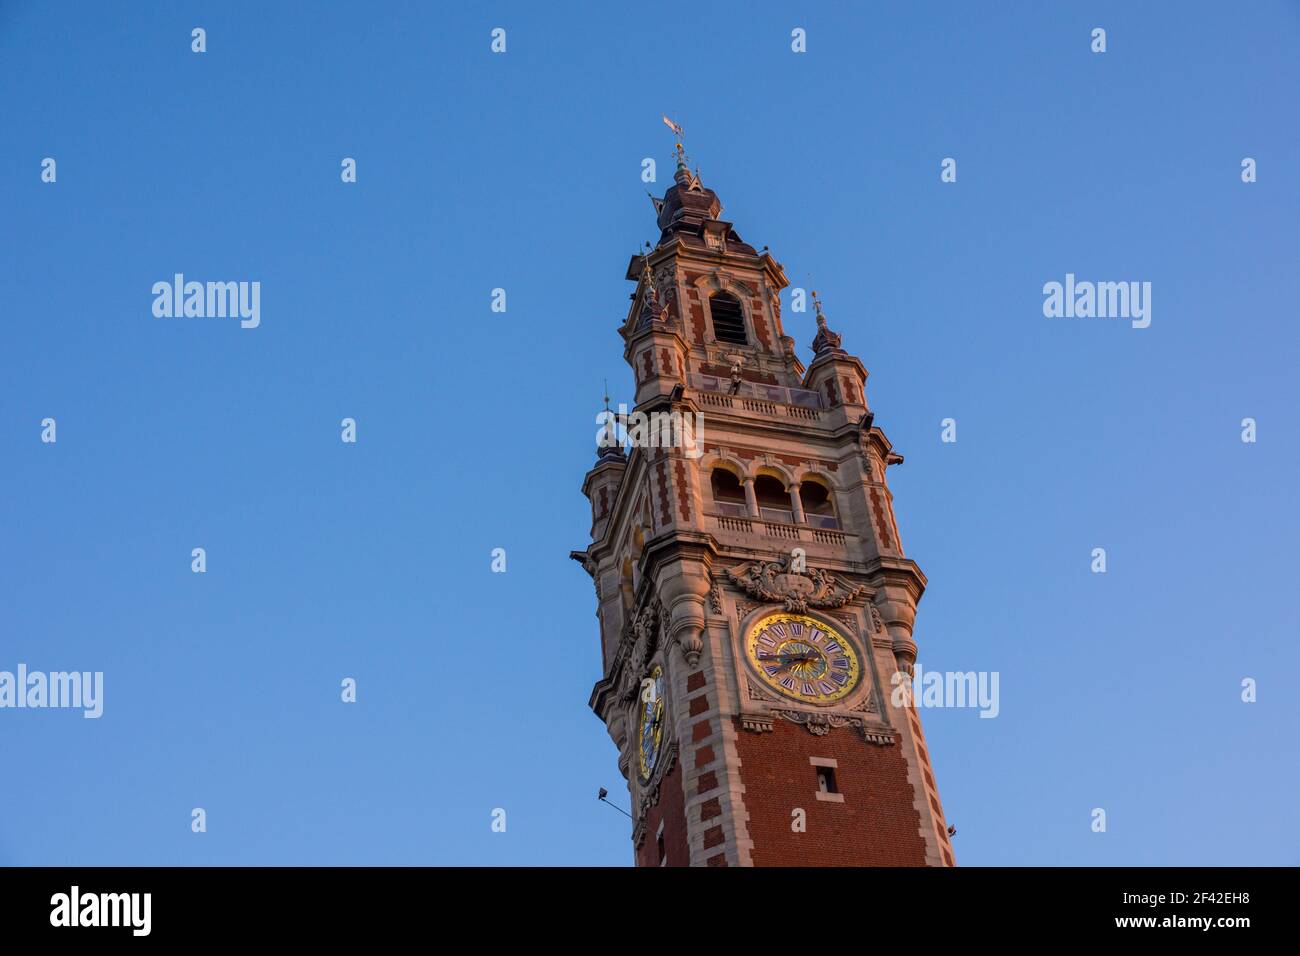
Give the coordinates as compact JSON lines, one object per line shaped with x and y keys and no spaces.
{"x":775,"y":582}
{"x":641,"y":638}
{"x":715,"y":597}
{"x":847,"y":621}
{"x":868,"y":704}
{"x":819,"y":724}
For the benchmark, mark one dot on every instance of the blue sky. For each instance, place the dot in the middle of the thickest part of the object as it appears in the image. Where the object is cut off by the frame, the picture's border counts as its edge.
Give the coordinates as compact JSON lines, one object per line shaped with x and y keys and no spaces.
{"x":522,"y":171}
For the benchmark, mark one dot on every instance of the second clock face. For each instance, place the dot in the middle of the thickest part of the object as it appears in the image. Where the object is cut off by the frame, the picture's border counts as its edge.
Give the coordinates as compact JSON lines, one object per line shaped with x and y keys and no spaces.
{"x":803,"y":658}
{"x":650,"y":722}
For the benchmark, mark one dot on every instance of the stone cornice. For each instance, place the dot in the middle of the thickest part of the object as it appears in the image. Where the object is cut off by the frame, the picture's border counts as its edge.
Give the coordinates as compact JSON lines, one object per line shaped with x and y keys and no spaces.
{"x":904,"y":572}
{"x":826,"y":358}
{"x":674,"y":545}
{"x":607,"y":464}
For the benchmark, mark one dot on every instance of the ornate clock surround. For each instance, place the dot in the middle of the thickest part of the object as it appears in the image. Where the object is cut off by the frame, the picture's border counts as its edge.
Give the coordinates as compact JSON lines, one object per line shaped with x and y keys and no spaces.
{"x":814,"y":593}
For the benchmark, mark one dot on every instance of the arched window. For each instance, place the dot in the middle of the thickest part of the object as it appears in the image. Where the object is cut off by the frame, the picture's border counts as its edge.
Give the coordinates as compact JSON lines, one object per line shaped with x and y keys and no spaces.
{"x":728,"y":319}
{"x":773,"y":499}
{"x":728,"y":495}
{"x":818,"y":505}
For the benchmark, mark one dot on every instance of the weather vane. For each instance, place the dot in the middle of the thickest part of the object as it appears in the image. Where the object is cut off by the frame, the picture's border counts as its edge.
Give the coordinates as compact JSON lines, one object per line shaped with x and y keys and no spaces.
{"x":681,"y":150}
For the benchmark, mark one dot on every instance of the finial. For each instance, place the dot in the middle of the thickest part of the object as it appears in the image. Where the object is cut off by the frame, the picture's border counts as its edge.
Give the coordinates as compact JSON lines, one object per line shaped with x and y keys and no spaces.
{"x":607,"y":444}
{"x":826,"y":340}
{"x":647,"y":274}
{"x":817,"y":304}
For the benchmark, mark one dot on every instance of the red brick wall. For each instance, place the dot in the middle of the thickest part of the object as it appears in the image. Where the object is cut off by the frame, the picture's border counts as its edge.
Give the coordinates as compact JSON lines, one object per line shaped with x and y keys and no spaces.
{"x":876,"y":825}
{"x":671,"y":809}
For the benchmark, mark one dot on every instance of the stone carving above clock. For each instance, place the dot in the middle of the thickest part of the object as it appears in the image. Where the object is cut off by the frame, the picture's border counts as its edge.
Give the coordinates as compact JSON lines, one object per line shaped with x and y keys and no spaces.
{"x":778,"y":582}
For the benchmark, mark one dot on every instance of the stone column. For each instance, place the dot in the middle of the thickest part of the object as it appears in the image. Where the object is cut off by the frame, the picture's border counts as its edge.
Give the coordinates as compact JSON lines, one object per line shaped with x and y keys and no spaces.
{"x":751,"y":499}
{"x":796,"y":504}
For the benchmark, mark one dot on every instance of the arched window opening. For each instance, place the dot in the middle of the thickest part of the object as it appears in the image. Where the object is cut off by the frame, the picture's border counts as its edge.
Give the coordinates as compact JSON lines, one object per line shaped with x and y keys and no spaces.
{"x":728,"y":495}
{"x":773,"y":500}
{"x":728,"y":319}
{"x":818,"y":506}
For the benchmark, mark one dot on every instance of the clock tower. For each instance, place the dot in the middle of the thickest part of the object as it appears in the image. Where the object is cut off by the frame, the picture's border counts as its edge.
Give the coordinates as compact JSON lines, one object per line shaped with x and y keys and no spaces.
{"x":755,"y":604}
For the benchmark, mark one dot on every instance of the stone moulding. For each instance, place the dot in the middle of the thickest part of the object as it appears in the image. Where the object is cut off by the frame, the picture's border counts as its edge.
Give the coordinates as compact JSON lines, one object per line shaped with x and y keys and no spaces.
{"x":758,"y":723}
{"x":819,"y":724}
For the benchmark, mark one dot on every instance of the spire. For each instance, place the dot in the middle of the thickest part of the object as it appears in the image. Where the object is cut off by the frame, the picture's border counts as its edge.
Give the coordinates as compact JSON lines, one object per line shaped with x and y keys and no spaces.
{"x":826,"y":340}
{"x":653,"y":310}
{"x":608,"y":447}
{"x":690,"y":211}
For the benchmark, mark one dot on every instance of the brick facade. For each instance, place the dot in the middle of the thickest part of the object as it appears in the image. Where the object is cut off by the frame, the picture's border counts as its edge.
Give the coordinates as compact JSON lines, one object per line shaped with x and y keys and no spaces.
{"x":875,"y":825}
{"x":671,"y":813}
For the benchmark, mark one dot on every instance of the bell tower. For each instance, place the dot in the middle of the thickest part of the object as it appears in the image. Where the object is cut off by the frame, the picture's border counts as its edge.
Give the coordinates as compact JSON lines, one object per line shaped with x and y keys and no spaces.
{"x":755,"y":604}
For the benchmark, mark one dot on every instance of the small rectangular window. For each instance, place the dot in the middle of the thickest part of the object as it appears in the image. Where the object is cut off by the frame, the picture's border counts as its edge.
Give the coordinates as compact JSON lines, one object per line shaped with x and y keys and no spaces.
{"x":828,"y":787}
{"x":826,"y":780}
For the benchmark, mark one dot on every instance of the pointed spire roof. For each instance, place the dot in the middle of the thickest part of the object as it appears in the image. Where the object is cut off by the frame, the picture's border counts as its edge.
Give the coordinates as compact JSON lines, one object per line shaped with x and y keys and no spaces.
{"x":608,"y":447}
{"x":653,"y":309}
{"x":689,"y":209}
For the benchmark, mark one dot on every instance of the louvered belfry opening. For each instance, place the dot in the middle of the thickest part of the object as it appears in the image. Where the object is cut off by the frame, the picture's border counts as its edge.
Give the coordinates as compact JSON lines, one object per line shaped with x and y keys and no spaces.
{"x":728,"y":319}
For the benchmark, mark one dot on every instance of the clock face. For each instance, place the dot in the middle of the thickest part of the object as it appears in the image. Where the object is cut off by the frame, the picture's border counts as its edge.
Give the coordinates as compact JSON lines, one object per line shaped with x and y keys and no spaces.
{"x":650,"y":725}
{"x":803,"y":658}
